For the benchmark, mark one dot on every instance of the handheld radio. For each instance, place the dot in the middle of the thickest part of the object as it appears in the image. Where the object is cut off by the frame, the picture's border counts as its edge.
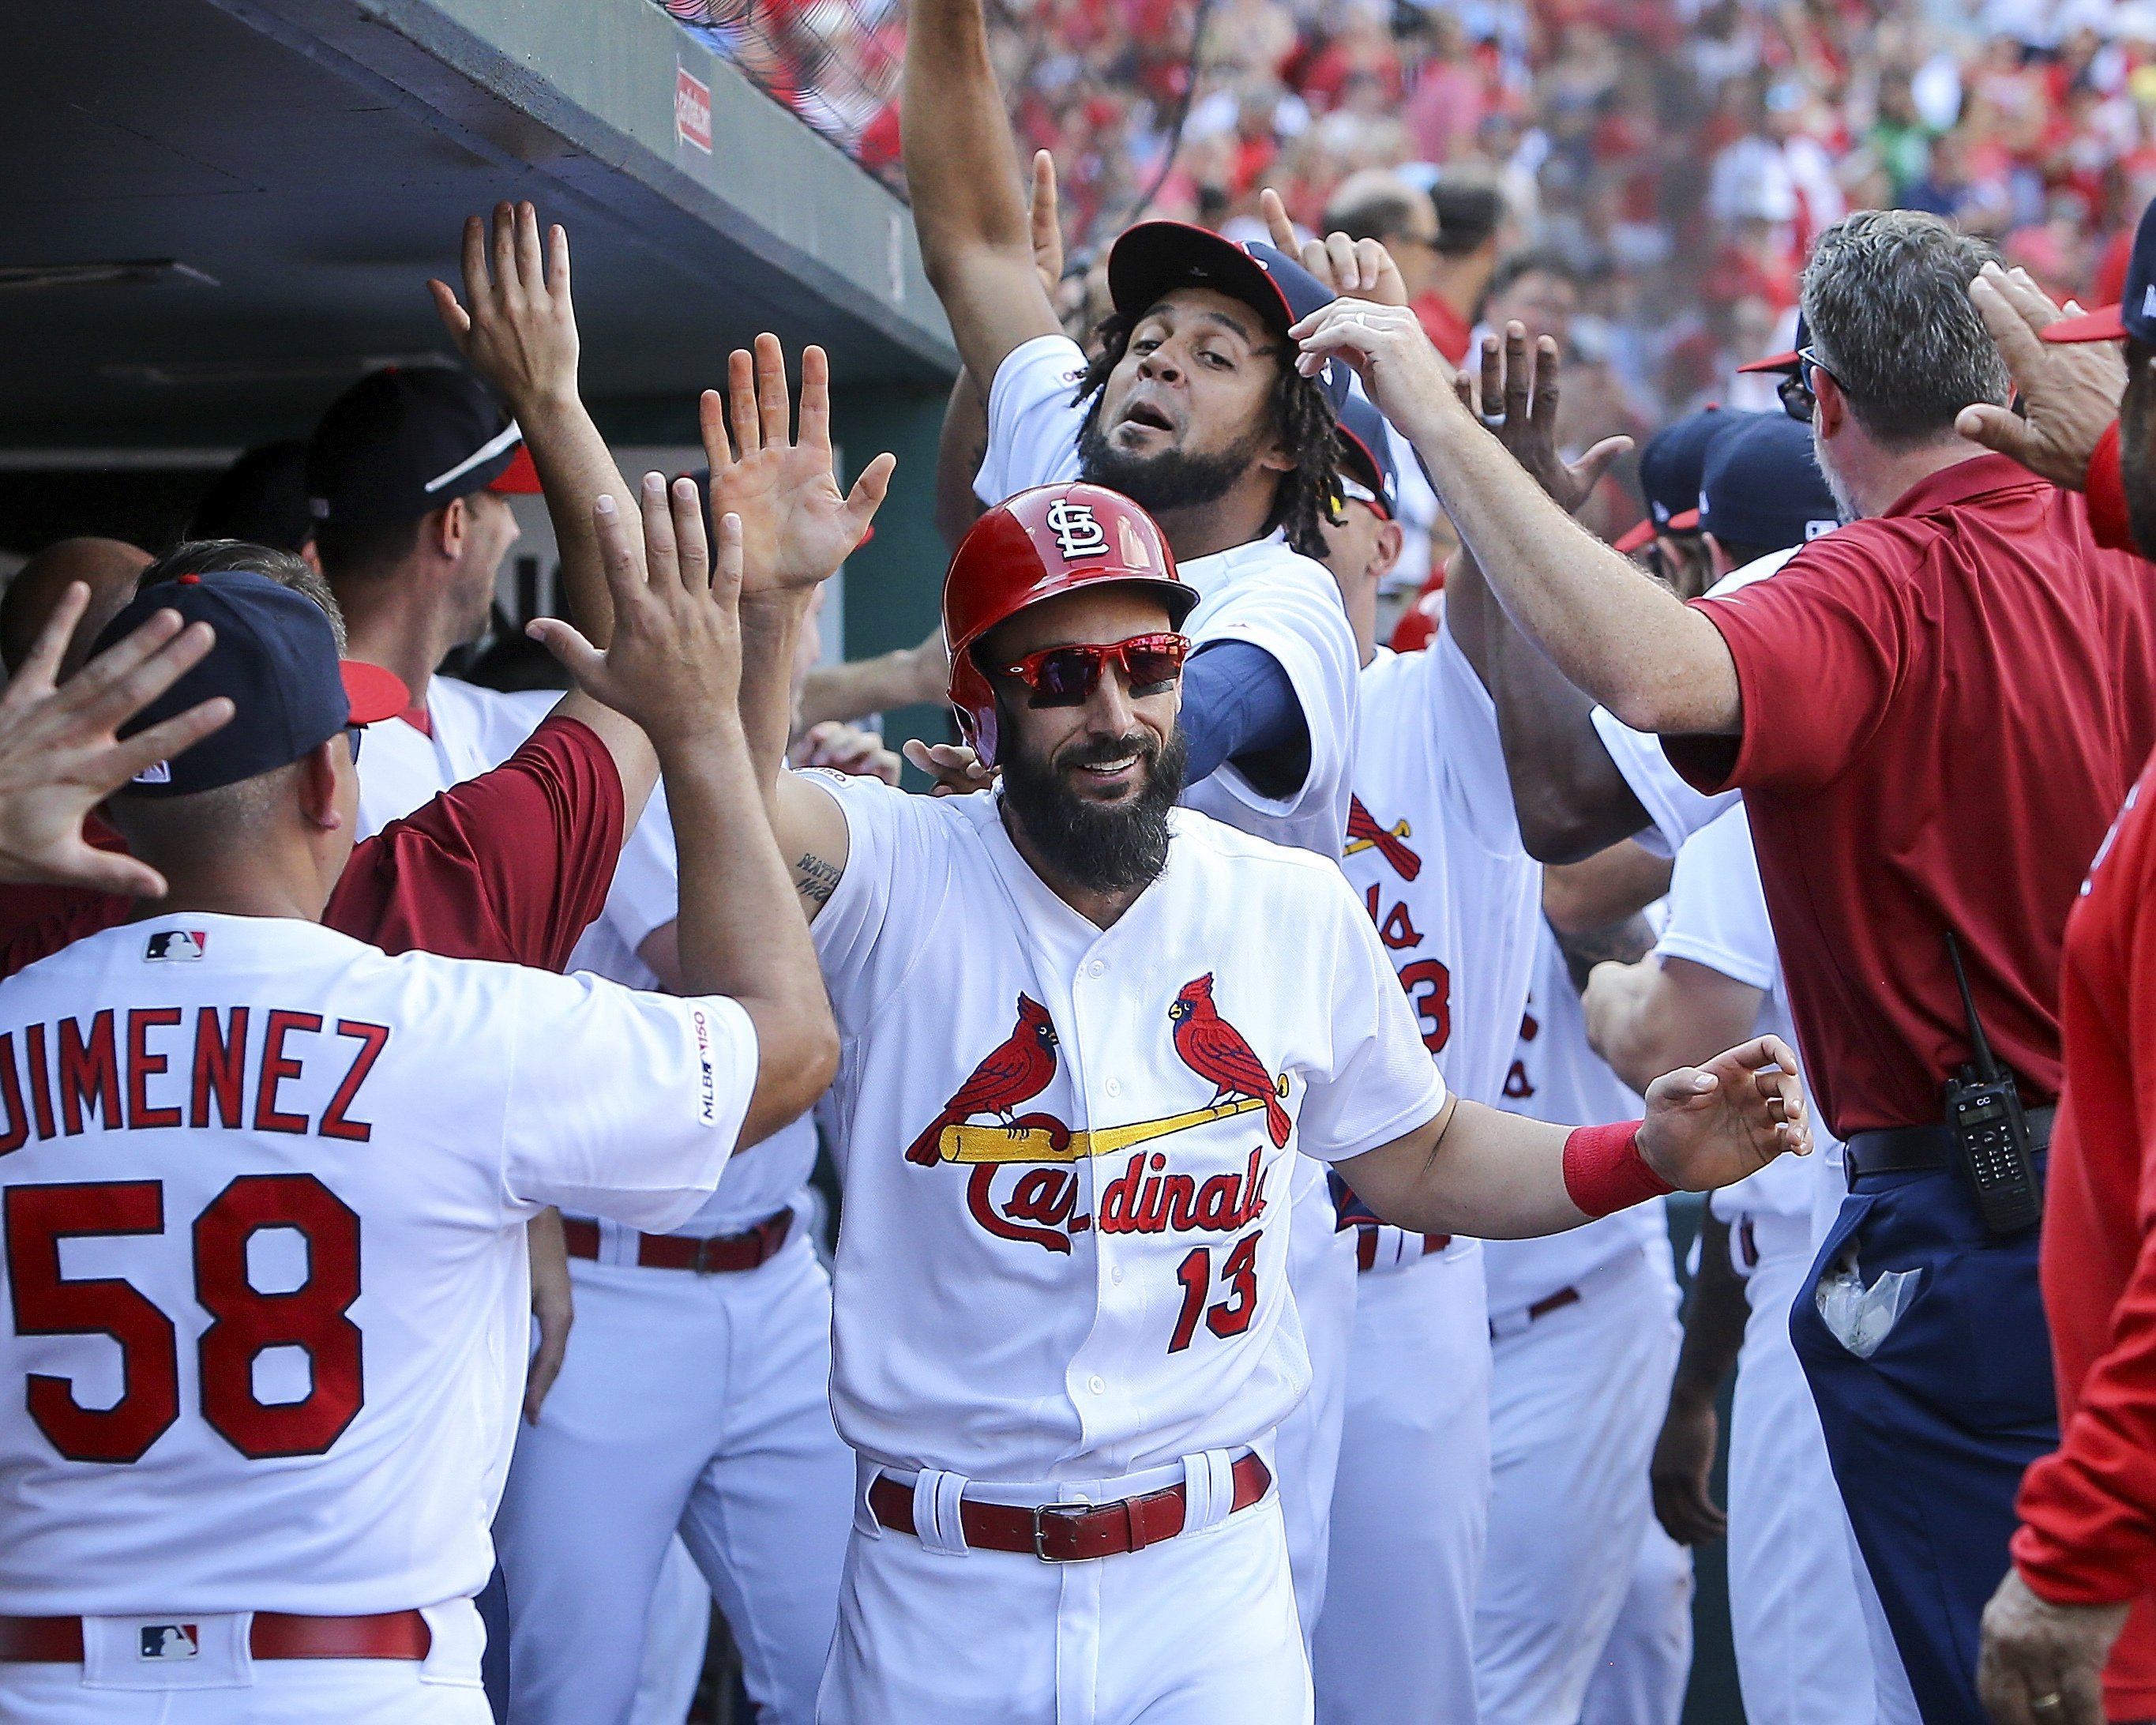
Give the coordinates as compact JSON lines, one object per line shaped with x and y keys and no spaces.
{"x":1990,"y":1131}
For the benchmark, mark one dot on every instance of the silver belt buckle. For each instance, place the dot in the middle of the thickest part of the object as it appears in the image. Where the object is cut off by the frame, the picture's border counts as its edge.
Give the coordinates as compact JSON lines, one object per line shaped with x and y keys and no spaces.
{"x":1041,"y":1531}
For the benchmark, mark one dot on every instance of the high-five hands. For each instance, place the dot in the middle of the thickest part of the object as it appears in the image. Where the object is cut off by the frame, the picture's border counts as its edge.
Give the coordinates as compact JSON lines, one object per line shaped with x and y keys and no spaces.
{"x":60,"y":751}
{"x":1519,"y":402}
{"x":674,"y":664}
{"x":797,"y":527}
{"x":1361,"y":269}
{"x":2069,"y":391}
{"x":1712,"y":1125}
{"x":517,"y":324}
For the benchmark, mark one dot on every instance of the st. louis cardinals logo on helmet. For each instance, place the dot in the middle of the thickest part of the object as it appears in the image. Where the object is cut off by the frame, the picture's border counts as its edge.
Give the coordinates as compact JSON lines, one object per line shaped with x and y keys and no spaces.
{"x":1037,"y":1204}
{"x":1041,"y":543}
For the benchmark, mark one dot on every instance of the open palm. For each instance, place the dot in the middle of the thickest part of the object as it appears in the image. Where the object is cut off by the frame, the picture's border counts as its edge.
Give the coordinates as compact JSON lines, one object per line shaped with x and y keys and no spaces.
{"x":796,"y":526}
{"x":1712,"y":1124}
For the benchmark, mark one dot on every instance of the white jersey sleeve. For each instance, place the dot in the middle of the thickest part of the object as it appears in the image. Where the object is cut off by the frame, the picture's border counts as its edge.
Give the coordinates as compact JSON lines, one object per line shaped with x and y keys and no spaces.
{"x":646,"y":1151}
{"x":1383,"y":1084}
{"x":646,"y":893}
{"x":893,"y":898}
{"x":1717,"y":909}
{"x":1034,"y":416}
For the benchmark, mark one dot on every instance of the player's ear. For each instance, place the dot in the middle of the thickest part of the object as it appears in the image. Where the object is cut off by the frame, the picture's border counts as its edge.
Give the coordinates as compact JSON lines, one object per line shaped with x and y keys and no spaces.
{"x":1390,"y":539}
{"x":318,"y":780}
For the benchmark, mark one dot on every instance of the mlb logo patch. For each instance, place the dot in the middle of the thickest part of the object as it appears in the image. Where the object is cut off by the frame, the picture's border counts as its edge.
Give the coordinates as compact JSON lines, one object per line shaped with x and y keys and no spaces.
{"x":176,"y":945}
{"x":169,"y":1641}
{"x":157,"y":773}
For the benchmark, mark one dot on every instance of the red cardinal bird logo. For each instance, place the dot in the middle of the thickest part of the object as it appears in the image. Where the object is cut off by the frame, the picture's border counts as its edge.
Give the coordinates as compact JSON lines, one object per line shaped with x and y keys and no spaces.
{"x":1364,"y":832}
{"x":1214,"y":1050}
{"x":1017,"y":1072}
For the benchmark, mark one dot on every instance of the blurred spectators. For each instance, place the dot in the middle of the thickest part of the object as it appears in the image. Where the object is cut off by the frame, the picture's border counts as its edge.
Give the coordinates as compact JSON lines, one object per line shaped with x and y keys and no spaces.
{"x":1667,"y":163}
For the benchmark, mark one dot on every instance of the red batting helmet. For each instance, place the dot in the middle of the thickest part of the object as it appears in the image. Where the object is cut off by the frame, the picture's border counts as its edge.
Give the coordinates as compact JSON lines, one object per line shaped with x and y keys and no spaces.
{"x":1053,"y":539}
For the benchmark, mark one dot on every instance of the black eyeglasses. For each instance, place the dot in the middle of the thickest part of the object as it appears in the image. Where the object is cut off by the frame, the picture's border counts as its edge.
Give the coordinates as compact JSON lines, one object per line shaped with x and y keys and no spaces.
{"x":1795,"y":390}
{"x":354,"y":732}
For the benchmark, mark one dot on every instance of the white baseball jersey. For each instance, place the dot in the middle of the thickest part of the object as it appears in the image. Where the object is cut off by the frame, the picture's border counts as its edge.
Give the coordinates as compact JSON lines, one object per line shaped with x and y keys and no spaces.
{"x":645,"y":894}
{"x":1262,"y":592}
{"x":474,"y":729}
{"x":1064,"y":1249}
{"x":265,"y":1197}
{"x":1718,"y":918}
{"x":1557,"y":1077}
{"x":1675,"y":810}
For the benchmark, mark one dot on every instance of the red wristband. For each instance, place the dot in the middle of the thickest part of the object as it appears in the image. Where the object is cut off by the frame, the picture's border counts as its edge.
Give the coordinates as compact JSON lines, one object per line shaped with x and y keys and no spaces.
{"x":2109,"y":525}
{"x":1604,"y":1170}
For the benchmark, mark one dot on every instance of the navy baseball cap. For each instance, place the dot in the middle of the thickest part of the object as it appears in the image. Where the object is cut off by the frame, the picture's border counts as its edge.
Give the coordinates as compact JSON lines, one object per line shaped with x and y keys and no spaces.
{"x":1366,"y":457}
{"x":1670,"y":469}
{"x":1153,"y":259}
{"x":2135,"y":314}
{"x":401,"y":442}
{"x":1762,"y":486}
{"x":275,"y":657}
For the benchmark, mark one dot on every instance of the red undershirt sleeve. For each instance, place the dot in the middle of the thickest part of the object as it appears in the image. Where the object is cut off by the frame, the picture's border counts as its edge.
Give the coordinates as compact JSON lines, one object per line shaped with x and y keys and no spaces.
{"x":2088,"y":1509}
{"x":512,"y":866}
{"x":1820,"y":650}
{"x":2104,"y":489}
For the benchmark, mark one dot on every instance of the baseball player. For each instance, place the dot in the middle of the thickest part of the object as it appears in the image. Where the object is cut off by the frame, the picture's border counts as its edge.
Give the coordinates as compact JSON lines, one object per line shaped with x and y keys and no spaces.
{"x":1583,"y":1337}
{"x":1806,"y":1648}
{"x":1191,"y":408}
{"x":1433,"y":851}
{"x":1082,"y":1031}
{"x":263,"y":1496}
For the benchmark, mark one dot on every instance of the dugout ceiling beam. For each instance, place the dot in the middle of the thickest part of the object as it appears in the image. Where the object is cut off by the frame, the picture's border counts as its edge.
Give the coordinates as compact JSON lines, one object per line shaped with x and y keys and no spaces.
{"x":313,"y":158}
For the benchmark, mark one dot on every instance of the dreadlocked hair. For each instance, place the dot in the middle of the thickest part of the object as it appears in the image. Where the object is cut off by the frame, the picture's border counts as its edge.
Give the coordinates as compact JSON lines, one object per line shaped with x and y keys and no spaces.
{"x":1306,"y":496}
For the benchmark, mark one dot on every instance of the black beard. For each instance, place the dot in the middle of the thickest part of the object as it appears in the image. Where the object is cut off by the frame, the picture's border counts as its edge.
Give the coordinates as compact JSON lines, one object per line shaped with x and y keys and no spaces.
{"x":2134,"y":450}
{"x":1099,"y":847}
{"x":1172,"y":479}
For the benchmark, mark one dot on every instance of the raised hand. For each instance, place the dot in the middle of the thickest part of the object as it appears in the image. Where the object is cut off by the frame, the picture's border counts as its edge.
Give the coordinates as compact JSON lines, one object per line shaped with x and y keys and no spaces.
{"x":848,"y":749}
{"x":2070,"y":390}
{"x":60,"y":752}
{"x":1359,"y":269}
{"x":674,"y":664}
{"x":796,"y":526}
{"x":517,"y":324}
{"x":1047,"y":224}
{"x":1712,"y":1125}
{"x":1406,"y":376}
{"x":1525,"y":421}
{"x":957,"y":769}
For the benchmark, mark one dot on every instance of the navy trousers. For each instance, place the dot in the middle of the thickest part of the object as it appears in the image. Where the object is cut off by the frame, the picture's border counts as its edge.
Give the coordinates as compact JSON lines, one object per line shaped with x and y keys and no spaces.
{"x":1929,"y":1436}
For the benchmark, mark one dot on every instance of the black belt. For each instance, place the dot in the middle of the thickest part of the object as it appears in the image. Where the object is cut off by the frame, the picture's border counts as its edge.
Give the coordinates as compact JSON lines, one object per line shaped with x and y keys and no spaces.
{"x":1915,"y":1149}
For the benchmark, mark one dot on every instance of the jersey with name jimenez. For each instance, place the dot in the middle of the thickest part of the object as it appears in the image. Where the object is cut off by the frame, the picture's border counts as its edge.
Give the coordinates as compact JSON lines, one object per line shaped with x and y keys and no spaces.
{"x":647,"y":893}
{"x":1555,"y":1077}
{"x":1065,"y":1248}
{"x":263,"y":1194}
{"x":1262,"y":592}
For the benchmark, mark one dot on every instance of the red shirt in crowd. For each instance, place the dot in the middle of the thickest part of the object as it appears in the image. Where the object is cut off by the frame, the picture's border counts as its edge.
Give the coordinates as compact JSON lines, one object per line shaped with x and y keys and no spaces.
{"x":1942,"y":707}
{"x":2088,"y":1511}
{"x":1450,"y":333}
{"x":512,"y":866}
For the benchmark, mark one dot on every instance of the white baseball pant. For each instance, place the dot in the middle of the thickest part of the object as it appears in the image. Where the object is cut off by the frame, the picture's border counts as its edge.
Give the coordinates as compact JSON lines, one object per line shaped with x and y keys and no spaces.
{"x":1646,"y":1662}
{"x":1321,"y":1274}
{"x":218,"y":1688}
{"x":1198,"y":1630}
{"x":1411,"y":1499}
{"x":693,"y":1402}
{"x":1804,"y":1656}
{"x":1577,"y":1397}
{"x":677,"y":1634}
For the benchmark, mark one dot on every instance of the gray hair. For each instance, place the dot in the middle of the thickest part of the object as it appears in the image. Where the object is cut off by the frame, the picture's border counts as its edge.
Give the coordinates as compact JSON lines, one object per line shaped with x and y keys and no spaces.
{"x":1886,"y":301}
{"x":212,"y":557}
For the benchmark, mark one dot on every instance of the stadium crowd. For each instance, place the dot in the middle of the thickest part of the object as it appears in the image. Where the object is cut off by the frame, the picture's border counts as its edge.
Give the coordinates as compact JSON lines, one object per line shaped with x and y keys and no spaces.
{"x":1254,"y":1078}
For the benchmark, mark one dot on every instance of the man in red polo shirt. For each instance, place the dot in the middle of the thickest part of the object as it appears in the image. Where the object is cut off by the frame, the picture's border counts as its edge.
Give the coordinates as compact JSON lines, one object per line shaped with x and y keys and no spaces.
{"x":1934,"y":713}
{"x":2085,"y":1556}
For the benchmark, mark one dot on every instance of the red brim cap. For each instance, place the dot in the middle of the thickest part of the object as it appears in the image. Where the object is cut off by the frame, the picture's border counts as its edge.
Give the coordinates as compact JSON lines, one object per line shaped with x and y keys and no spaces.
{"x":1638,"y":539}
{"x":2105,"y":324}
{"x":519,"y":478}
{"x":1775,"y":363}
{"x":375,"y":694}
{"x":1684,"y":521}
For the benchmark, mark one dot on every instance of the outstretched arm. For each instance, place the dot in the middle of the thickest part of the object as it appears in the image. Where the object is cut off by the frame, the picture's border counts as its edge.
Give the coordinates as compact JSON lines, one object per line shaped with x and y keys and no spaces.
{"x":1498,"y":1176}
{"x":1654,"y":662}
{"x":975,"y":240}
{"x":60,"y":751}
{"x":517,"y":325}
{"x":1647,"y":1017}
{"x":674,"y":667}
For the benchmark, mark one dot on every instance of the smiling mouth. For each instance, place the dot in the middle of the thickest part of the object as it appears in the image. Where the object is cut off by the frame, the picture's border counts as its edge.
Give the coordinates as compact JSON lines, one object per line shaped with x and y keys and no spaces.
{"x":1108,"y":769}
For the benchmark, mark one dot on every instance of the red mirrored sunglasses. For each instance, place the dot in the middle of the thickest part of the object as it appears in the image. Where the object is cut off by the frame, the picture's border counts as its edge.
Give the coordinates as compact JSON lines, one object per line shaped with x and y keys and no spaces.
{"x":1065,"y":676}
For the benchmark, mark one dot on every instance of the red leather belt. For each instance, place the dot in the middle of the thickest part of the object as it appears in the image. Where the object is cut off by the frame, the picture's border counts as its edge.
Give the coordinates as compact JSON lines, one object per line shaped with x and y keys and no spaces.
{"x":1067,"y":1532}
{"x":393,"y":1635}
{"x":723,"y":1253}
{"x":1366,"y":1245}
